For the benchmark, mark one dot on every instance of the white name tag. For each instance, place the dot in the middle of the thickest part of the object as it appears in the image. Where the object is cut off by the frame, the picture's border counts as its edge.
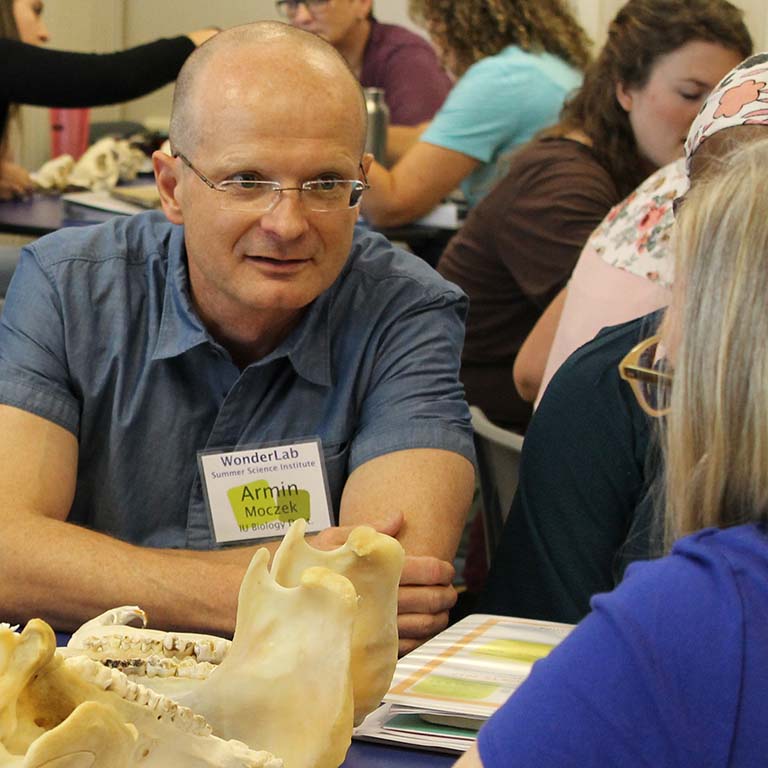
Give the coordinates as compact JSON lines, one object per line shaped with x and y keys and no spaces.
{"x":258,"y":491}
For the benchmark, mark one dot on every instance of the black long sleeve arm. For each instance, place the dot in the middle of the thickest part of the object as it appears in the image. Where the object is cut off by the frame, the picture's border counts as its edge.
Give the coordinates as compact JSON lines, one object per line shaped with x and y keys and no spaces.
{"x":44,"y":77}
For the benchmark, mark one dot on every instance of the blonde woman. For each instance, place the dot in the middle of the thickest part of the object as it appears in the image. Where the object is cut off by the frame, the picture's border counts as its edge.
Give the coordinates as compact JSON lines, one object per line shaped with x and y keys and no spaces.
{"x":669,"y":668}
{"x":515,"y":62}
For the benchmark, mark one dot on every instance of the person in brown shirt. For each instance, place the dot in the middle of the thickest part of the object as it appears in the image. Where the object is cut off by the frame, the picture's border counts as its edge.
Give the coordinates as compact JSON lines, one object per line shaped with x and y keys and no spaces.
{"x":518,"y":246}
{"x":512,"y":256}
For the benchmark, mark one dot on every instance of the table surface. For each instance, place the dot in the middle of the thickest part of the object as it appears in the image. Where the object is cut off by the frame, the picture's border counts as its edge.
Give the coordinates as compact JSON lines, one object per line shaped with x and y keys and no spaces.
{"x":41,"y":214}
{"x":369,"y":755}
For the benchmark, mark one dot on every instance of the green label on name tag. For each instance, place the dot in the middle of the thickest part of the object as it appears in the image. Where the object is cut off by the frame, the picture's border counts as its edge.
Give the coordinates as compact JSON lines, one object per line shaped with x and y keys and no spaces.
{"x":257,"y":503}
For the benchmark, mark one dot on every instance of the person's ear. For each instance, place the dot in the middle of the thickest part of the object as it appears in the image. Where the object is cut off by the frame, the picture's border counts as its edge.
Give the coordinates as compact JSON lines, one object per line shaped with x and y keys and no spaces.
{"x":624,"y":97}
{"x":364,"y":9}
{"x":366,"y":162}
{"x":167,"y":169}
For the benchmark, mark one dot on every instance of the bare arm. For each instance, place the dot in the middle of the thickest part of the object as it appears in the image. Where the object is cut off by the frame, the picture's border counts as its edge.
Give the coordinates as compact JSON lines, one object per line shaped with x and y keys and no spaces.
{"x":67,"y":574}
{"x":415,"y":185}
{"x":531,"y":360}
{"x":432,"y":490}
{"x":400,"y":138}
{"x":470,"y":759}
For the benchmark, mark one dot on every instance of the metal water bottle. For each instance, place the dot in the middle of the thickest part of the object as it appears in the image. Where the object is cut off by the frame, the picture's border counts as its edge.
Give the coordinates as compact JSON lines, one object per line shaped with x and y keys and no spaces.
{"x":378,"y":121}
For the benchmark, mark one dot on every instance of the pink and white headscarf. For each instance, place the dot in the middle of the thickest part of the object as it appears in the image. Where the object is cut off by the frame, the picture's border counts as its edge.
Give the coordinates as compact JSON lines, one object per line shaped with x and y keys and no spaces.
{"x":740,"y":98}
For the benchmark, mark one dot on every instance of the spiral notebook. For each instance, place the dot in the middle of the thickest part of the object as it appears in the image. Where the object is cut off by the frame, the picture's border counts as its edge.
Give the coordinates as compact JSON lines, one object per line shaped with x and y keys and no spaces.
{"x":444,"y":691}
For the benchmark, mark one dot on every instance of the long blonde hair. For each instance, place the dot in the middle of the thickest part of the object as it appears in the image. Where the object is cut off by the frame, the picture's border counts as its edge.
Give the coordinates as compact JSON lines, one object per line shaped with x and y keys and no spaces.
{"x":717,"y":431}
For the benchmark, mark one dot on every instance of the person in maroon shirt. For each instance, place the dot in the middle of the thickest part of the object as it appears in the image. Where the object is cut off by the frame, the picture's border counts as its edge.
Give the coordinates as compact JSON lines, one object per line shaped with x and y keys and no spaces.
{"x":383,"y":56}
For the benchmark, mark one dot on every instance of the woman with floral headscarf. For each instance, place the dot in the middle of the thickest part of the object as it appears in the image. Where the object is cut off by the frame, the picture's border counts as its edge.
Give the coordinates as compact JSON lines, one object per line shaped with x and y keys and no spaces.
{"x":669,"y":668}
{"x":625,"y":269}
{"x":584,"y":500}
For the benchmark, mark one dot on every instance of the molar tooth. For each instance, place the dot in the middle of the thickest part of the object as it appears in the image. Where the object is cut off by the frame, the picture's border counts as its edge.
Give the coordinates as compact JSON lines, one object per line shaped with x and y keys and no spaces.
{"x":102,"y":677}
{"x":117,"y":683}
{"x":183,"y":717}
{"x":159,"y":666}
{"x":141,"y":695}
{"x":200,"y":726}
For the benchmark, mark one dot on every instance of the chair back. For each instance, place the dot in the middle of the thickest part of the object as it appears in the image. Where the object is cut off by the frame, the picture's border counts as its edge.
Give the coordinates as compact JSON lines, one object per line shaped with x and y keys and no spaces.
{"x":9,"y":258}
{"x":498,"y":456}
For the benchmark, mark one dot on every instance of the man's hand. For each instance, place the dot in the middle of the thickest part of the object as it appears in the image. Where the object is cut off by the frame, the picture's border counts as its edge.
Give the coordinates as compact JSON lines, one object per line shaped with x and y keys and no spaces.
{"x":425,"y":596}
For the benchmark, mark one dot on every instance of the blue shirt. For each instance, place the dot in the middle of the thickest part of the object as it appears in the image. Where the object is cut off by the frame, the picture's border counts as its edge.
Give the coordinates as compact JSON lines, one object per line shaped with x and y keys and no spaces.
{"x":668,"y":669}
{"x":500,"y":102}
{"x":99,"y":336}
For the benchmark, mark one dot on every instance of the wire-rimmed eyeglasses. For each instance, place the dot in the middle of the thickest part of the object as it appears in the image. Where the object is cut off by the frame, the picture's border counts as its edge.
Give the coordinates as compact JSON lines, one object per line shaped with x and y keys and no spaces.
{"x":288,"y":8}
{"x":649,"y":377}
{"x":261,"y":196}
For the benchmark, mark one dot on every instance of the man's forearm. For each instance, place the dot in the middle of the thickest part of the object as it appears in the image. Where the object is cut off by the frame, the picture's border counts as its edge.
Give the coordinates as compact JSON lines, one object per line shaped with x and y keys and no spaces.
{"x":66,"y":574}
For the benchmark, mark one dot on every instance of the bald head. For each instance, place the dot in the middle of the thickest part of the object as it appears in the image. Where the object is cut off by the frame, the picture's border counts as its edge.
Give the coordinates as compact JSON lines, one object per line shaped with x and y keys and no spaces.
{"x":263,"y":60}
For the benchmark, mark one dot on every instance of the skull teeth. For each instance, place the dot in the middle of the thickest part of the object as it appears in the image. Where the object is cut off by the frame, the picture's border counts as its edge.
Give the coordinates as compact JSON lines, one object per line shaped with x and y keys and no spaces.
{"x":161,"y":666}
{"x":169,"y":645}
{"x":164,"y":708}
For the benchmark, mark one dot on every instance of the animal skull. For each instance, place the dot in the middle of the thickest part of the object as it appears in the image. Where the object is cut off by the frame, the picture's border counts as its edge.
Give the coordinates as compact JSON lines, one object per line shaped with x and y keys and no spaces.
{"x":372,"y":562}
{"x":314,"y":649}
{"x":77,"y":713}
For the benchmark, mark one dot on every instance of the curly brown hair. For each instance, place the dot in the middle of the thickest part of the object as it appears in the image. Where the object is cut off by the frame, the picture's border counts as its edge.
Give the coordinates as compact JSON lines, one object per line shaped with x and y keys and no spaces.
{"x":470,"y":30}
{"x":642,"y":32}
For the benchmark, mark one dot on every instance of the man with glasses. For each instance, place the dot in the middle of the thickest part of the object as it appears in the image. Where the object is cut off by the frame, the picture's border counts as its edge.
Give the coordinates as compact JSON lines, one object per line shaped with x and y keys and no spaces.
{"x":253,"y":314}
{"x":384,"y":56}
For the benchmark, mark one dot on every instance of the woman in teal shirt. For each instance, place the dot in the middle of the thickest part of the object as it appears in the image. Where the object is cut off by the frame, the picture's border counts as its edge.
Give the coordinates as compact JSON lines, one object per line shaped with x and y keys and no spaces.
{"x":516,"y":61}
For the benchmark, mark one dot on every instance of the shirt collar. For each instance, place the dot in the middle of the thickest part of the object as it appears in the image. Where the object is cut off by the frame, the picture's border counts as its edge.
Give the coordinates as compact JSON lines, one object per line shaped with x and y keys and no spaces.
{"x":180,"y":327}
{"x":307,"y":346}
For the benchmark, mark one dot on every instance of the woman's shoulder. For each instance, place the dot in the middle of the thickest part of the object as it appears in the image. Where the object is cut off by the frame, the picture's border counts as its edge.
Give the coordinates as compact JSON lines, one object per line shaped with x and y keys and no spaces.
{"x":560,"y":161}
{"x":736,"y":550}
{"x":707,"y":575}
{"x":514,"y":63}
{"x":557,"y":147}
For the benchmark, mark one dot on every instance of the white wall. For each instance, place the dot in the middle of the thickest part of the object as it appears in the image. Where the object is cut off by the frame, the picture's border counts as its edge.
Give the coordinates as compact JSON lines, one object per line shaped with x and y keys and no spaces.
{"x":595,"y":16}
{"x":102,"y":25}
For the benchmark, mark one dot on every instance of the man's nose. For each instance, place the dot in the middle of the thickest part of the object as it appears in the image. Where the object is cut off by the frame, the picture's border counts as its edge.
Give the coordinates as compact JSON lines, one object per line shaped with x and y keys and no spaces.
{"x":42,"y":32}
{"x":287,"y":219}
{"x":301,"y":15}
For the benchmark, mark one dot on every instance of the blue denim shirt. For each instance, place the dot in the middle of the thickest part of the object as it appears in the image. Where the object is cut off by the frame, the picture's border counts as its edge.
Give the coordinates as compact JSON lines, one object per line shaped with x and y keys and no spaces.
{"x":99,"y":335}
